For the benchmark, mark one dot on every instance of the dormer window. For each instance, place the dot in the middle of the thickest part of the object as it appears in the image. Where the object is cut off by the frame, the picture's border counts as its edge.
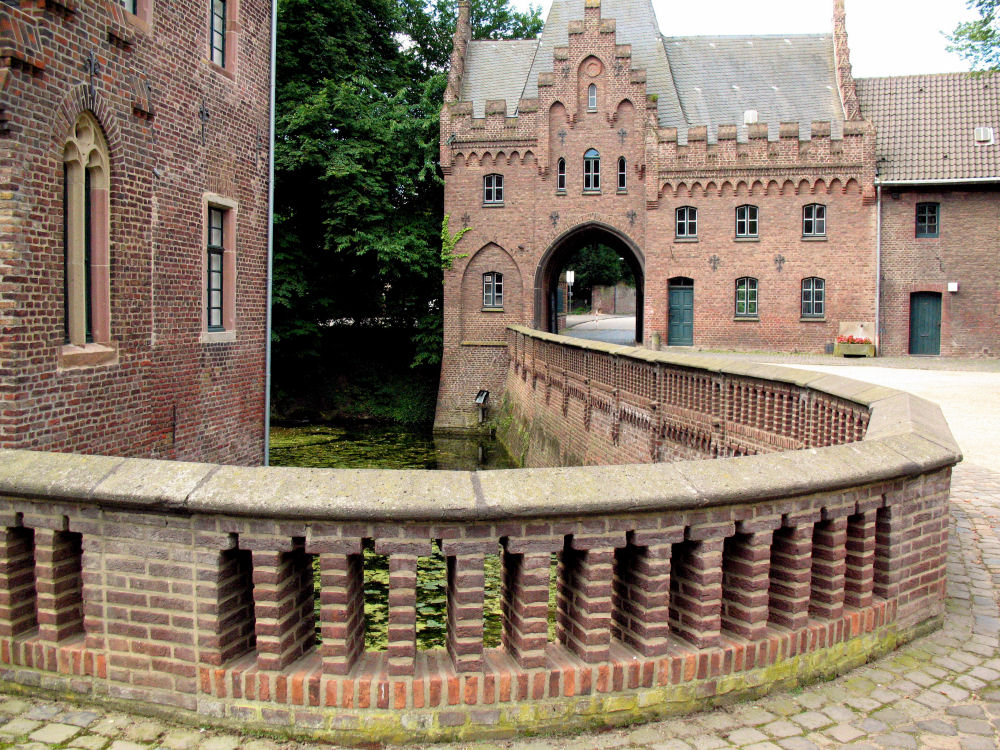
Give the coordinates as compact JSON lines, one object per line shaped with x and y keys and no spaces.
{"x":592,"y":98}
{"x":984,"y":136}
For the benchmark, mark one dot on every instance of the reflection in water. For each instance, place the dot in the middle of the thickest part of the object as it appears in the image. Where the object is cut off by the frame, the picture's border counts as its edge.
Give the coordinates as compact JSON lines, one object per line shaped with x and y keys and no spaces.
{"x":381,"y":447}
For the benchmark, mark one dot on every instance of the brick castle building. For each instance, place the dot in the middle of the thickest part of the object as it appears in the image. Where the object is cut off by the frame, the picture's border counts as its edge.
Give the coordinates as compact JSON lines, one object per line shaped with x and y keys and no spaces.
{"x":760,"y":195}
{"x":133,"y":226}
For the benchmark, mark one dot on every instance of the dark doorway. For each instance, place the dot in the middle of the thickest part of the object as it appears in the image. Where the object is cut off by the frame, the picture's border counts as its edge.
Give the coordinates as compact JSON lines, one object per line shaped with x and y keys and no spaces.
{"x":680,"y":331}
{"x":583,"y":246}
{"x":925,"y":323}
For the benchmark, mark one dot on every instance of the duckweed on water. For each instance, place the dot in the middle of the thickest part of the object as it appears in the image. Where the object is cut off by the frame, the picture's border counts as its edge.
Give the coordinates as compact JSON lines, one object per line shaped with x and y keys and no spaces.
{"x":393,"y":447}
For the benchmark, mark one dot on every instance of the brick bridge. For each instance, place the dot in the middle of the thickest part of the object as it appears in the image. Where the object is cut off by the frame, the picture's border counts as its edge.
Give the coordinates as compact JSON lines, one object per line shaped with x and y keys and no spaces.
{"x":679,"y":584}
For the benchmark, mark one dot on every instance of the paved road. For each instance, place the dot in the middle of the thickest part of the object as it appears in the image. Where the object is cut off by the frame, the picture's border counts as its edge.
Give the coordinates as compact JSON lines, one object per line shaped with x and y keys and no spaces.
{"x":941,"y":692}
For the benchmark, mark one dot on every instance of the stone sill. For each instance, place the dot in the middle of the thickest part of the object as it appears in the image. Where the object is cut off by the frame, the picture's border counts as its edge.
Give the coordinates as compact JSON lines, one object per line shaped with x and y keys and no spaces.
{"x":814,"y":238}
{"x":685,"y":239}
{"x":498,"y":204}
{"x":746,"y":239}
{"x":491,"y":309}
{"x":217,"y":337}
{"x":73,"y":357}
{"x":810,"y":319}
{"x":746,"y":318}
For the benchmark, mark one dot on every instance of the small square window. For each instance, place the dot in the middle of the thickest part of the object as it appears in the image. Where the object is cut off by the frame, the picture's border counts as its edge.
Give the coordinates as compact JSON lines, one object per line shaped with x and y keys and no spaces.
{"x":493,"y":188}
{"x":493,"y":289}
{"x":746,"y":221}
{"x":813,"y":297}
{"x":928,"y":219}
{"x":130,"y":6}
{"x":686,"y":222}
{"x":746,"y":298}
{"x":814,"y":220}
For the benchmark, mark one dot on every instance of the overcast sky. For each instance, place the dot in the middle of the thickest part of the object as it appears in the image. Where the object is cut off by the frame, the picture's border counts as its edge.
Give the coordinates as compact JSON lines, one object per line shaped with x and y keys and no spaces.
{"x":887,"y":37}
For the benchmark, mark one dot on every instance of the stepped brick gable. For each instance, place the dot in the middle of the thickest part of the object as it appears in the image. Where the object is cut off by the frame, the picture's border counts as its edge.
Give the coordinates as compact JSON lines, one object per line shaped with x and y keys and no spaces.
{"x":133,"y":226}
{"x":603,"y":130}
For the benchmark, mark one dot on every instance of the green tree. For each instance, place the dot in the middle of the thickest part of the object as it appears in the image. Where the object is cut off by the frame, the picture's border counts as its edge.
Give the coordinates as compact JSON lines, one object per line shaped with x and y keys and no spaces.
{"x":358,"y":193}
{"x":979,"y":41}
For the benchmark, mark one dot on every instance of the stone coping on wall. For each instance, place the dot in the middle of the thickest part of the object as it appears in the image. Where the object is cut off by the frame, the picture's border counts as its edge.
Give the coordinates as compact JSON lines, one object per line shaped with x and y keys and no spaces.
{"x":906,"y":436}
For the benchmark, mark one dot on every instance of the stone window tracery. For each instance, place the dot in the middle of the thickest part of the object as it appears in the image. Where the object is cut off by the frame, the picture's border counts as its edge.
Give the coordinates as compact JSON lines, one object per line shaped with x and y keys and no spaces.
{"x":86,"y":232}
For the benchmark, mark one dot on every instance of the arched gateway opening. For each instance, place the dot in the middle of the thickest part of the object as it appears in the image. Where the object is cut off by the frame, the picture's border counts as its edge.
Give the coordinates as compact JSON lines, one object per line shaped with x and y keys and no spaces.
{"x":549,"y":281}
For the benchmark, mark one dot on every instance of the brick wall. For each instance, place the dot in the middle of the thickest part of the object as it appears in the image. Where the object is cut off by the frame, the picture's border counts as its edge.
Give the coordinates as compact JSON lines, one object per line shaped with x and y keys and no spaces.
{"x":198,"y":584}
{"x":165,"y":392}
{"x":570,"y":402}
{"x":778,"y":167}
{"x":964,"y":252}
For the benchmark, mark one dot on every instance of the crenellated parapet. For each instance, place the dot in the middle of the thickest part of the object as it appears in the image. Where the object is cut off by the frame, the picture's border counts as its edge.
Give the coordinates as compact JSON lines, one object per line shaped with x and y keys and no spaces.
{"x":591,"y":55}
{"x":783,"y":158}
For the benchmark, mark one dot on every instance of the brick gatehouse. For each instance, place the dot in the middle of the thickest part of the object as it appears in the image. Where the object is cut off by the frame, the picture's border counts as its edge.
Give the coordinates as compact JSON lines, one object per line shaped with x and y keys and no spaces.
{"x":133,"y":226}
{"x":742,"y":179}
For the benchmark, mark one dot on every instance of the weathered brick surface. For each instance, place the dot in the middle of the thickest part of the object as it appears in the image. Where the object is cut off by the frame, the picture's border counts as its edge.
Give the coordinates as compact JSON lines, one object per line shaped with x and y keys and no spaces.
{"x":165,"y":394}
{"x":537,"y":227}
{"x":969,"y":235}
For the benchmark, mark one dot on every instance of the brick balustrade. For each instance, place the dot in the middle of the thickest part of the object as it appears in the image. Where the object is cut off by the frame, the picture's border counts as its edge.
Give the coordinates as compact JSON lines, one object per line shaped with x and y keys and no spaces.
{"x":192,"y":586}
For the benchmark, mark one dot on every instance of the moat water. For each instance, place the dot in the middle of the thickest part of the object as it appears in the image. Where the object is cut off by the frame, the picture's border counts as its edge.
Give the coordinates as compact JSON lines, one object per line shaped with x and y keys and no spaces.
{"x":395,"y":447}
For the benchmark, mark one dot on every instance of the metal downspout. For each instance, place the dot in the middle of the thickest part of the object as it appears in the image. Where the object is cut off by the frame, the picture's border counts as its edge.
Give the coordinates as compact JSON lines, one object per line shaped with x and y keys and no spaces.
{"x":270,"y":237}
{"x":878,"y":270}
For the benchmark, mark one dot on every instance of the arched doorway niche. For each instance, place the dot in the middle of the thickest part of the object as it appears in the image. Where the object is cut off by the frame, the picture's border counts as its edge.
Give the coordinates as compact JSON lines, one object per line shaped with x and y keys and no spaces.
{"x":554,"y":259}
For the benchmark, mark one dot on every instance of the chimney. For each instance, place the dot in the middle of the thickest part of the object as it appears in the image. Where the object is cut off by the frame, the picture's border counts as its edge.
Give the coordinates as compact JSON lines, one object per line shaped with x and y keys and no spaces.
{"x":459,"y":46}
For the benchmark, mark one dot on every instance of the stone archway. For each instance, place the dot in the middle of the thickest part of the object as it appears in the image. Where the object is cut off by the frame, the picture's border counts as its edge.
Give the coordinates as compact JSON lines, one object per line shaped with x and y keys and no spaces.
{"x":553,"y":260}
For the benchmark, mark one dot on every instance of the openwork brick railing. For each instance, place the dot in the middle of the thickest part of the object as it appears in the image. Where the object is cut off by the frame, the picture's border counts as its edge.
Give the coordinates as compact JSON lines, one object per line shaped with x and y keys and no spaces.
{"x":192,"y":586}
{"x":606,"y":404}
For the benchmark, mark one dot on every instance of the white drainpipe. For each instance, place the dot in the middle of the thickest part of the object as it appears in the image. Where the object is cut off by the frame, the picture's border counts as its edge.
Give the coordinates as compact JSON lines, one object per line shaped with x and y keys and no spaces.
{"x":878,"y":270}
{"x":270,"y":237}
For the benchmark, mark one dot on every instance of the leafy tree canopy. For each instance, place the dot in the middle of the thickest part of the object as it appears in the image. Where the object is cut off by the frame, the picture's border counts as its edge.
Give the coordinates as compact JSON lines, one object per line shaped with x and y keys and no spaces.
{"x":358,"y":193}
{"x":979,"y":41}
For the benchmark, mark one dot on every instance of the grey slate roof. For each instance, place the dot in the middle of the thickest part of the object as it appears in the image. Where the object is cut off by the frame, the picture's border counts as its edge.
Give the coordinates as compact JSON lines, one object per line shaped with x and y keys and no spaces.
{"x":785,"y":78}
{"x":635,"y":24}
{"x":925,"y":125}
{"x":698,"y":80}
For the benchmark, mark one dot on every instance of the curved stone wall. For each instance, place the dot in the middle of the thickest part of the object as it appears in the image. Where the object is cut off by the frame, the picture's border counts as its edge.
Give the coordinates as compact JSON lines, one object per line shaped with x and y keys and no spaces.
{"x":191,"y":586}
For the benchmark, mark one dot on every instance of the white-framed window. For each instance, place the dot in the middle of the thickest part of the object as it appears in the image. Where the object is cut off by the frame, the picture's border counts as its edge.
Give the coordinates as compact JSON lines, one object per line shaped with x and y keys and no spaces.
{"x":217,"y":32}
{"x":814,"y":220}
{"x":746,"y":297}
{"x":561,"y":176}
{"x":622,"y":175}
{"x":813,"y":297}
{"x":592,"y":97}
{"x":493,"y":188}
{"x":492,"y":289}
{"x":746,"y":221}
{"x":686,"y":225}
{"x":592,"y":170}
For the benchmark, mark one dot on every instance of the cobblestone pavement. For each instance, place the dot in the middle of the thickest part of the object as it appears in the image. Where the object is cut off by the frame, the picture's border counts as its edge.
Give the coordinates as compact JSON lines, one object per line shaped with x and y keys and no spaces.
{"x":941,"y":691}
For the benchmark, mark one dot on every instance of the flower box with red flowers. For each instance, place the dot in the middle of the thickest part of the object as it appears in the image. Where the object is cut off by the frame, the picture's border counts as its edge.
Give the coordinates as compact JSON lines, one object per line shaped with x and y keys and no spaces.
{"x":854,"y":346}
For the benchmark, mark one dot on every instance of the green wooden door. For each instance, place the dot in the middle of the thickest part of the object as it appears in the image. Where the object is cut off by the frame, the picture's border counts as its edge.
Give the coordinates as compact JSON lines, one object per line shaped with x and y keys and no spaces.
{"x":925,"y":323}
{"x":680,"y":331}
